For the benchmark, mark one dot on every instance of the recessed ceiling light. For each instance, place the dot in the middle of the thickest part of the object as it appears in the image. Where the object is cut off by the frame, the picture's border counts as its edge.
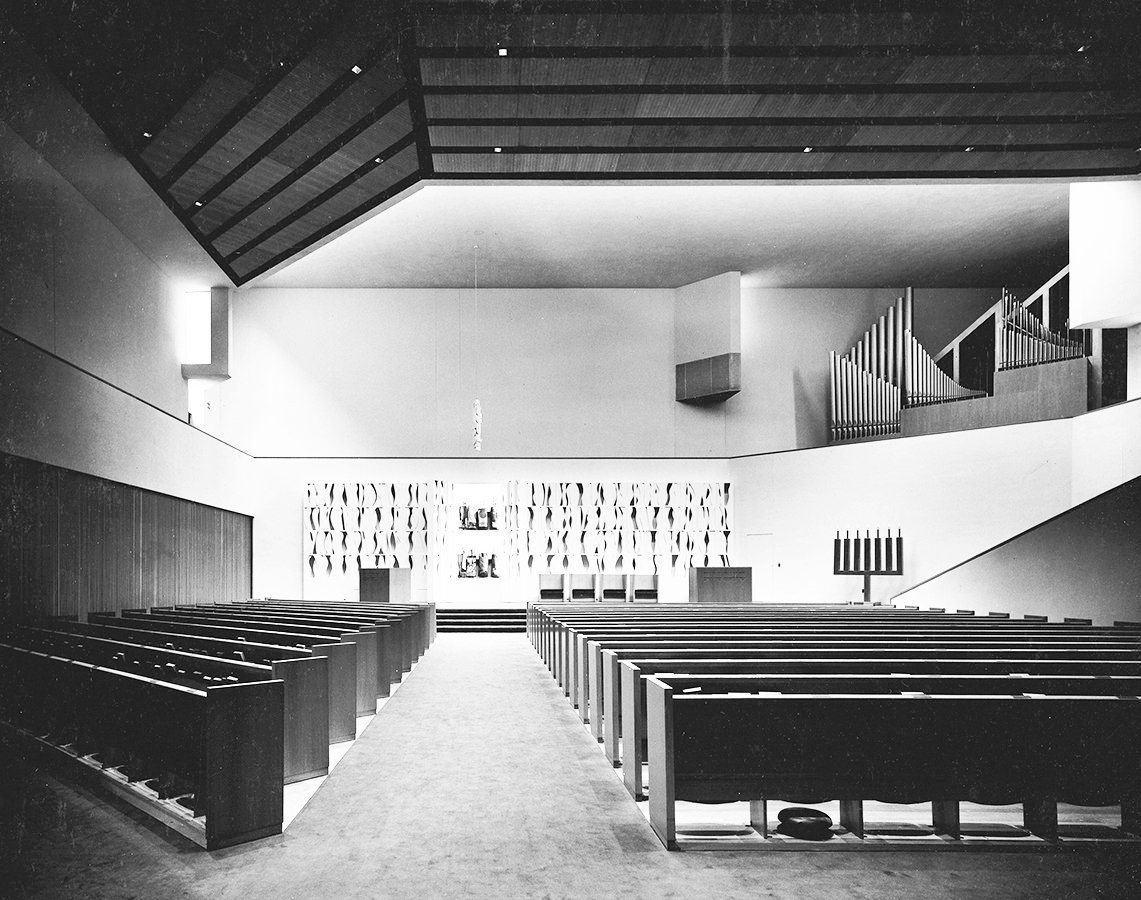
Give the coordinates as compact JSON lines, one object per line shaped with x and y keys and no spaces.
{"x":147,"y":134}
{"x":197,"y":202}
{"x":356,"y":70}
{"x":498,"y":149}
{"x":502,"y":51}
{"x":807,"y":150}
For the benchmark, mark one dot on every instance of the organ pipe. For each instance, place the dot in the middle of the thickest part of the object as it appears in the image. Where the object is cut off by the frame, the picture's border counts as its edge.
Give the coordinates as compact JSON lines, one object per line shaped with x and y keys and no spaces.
{"x":886,"y":370}
{"x":1027,"y":342}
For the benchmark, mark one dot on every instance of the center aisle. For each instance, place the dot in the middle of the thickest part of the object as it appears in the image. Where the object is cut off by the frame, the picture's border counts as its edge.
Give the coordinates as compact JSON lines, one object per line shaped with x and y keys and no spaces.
{"x":477,"y":779}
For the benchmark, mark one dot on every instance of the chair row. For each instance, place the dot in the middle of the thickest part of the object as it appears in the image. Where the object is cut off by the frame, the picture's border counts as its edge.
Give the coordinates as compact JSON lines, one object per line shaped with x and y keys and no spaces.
{"x":598,"y":587}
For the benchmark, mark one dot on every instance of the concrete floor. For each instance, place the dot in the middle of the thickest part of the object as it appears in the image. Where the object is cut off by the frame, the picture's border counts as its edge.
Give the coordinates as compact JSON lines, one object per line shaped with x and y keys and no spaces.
{"x":477,"y":779}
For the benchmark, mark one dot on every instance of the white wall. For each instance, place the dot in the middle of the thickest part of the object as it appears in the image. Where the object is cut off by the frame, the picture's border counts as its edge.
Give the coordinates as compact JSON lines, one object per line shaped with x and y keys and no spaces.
{"x":1105,"y":265}
{"x":785,"y":338}
{"x":708,"y":317}
{"x":1106,"y":450}
{"x":344,"y":372}
{"x":1133,"y":365}
{"x":953,"y":495}
{"x":73,"y":284}
{"x":1082,"y":563}
{"x":393,"y":373}
{"x":90,"y":264}
{"x":56,"y":414}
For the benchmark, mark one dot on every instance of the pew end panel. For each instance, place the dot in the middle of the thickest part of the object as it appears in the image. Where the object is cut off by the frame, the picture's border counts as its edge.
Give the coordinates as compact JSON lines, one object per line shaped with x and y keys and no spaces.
{"x":581,"y":677}
{"x":612,"y":718}
{"x":306,"y":716}
{"x":595,"y":701}
{"x":633,"y":712}
{"x":663,"y":796}
{"x":342,"y":668}
{"x":243,"y":760}
{"x":366,"y":644}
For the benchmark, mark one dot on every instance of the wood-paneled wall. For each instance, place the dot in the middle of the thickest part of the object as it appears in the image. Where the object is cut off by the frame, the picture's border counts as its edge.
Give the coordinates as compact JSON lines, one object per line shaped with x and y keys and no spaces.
{"x":72,"y":543}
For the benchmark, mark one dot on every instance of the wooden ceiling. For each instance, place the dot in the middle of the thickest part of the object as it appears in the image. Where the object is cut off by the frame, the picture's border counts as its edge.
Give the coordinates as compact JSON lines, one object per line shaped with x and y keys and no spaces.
{"x":267,"y":127}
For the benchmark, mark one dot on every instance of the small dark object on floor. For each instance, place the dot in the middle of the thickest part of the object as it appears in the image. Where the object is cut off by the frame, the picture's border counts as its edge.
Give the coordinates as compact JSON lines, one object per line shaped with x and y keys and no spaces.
{"x":805,"y":823}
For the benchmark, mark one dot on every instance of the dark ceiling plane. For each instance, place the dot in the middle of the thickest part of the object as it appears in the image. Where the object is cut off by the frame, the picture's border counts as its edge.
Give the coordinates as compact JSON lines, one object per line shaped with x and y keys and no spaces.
{"x":267,"y":127}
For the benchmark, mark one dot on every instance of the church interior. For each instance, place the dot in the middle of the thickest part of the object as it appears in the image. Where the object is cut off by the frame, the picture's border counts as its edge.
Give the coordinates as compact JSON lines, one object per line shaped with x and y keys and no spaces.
{"x":563,"y":448}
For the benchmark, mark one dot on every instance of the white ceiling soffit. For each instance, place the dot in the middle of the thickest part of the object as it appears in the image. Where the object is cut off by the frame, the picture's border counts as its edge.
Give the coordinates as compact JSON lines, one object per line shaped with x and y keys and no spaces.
{"x":604,"y":235}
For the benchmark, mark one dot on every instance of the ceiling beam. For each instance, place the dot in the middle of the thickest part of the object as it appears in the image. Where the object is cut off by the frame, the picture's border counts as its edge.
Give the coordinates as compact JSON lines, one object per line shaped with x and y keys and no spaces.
{"x":310,"y":163}
{"x":750,"y":121}
{"x":410,"y":63}
{"x":796,"y":148}
{"x":806,"y":175}
{"x":779,"y":89}
{"x":358,"y":173}
{"x":340,"y":222}
{"x":293,"y":125}
{"x":754,"y":51}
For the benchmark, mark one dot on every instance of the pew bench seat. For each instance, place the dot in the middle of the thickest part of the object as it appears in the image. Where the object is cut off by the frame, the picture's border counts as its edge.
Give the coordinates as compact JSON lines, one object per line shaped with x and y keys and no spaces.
{"x":205,"y":761}
{"x":717,"y":748}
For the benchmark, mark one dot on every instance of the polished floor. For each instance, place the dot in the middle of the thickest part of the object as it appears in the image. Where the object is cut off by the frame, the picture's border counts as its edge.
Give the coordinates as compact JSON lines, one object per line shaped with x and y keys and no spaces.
{"x":477,"y":780}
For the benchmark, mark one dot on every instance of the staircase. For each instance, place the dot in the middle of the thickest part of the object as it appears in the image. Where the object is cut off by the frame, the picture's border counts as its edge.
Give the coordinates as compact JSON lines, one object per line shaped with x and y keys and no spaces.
{"x":481,"y":620}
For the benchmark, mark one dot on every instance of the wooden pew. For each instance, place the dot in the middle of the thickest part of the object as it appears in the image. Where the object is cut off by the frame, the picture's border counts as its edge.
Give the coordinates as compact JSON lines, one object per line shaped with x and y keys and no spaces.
{"x":222,"y":741}
{"x":624,"y":688}
{"x":576,"y":684}
{"x":305,"y":681}
{"x":364,"y":642}
{"x":386,"y":644}
{"x":630,"y":697}
{"x":562,"y":647}
{"x":342,"y":660}
{"x":932,"y":685}
{"x":568,"y":665}
{"x":906,"y":749}
{"x":418,"y":616}
{"x":399,"y":634}
{"x":425,"y":612}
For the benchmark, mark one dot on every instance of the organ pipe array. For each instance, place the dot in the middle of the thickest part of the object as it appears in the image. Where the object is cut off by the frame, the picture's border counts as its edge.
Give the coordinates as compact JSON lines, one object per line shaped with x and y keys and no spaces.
{"x":885,"y":371}
{"x":925,"y":382}
{"x":1025,"y":341}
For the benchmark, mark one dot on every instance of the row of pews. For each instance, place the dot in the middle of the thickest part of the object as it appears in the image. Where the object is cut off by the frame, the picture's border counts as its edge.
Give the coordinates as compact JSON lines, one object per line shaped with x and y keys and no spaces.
{"x":200,"y":715}
{"x":821,"y":703}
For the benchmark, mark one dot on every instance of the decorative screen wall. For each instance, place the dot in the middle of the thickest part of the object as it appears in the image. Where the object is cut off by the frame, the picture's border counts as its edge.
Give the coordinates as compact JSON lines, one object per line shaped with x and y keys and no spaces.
{"x":376,"y":525}
{"x":638,"y":527}
{"x":579,"y":527}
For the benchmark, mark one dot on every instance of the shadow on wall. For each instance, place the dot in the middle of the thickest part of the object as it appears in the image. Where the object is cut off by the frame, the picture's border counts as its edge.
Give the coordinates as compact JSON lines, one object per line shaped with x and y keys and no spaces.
{"x":810,"y":398}
{"x":1082,"y":562}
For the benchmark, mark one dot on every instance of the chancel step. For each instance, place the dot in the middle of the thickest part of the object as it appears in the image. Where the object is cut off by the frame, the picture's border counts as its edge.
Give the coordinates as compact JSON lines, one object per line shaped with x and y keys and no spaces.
{"x":481,"y":620}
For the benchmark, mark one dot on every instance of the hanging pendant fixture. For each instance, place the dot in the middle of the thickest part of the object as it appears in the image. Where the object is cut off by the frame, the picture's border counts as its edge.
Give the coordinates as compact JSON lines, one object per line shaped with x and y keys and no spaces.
{"x":476,"y":408}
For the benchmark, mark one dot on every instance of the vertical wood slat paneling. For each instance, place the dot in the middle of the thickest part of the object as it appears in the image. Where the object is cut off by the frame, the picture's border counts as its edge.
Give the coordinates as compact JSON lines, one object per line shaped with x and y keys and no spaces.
{"x":72,"y":543}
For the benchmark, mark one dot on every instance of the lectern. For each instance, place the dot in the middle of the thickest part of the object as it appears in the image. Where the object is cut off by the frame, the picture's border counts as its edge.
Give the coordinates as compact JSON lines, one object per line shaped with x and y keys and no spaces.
{"x":386,"y":586}
{"x":721,"y":584}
